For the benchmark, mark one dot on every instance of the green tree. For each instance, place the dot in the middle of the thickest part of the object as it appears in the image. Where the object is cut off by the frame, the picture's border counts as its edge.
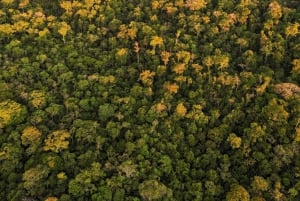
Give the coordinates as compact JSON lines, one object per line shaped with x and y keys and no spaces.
{"x":153,"y":190}
{"x":106,"y":111}
{"x":34,"y":180}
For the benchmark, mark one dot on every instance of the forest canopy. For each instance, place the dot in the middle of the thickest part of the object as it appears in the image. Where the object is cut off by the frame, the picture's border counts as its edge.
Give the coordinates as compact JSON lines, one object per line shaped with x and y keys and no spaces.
{"x":159,"y":100}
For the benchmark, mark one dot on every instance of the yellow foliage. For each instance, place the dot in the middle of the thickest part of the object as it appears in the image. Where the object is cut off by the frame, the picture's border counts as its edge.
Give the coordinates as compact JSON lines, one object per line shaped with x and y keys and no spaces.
{"x":181,"y":109}
{"x":208,"y":61}
{"x":180,"y":78}
{"x":172,"y":88}
{"x":179,"y":68}
{"x":7,"y":28}
{"x":206,"y":19}
{"x":38,"y":99}
{"x":7,"y":1}
{"x":159,"y":107}
{"x":275,"y":10}
{"x":89,"y":3}
{"x":156,"y":5}
{"x":260,"y":184}
{"x":137,"y":11}
{"x":44,"y":32}
{"x":122,"y":52}
{"x":147,"y":77}
{"x":132,"y":33}
{"x":296,"y":66}
{"x":243,"y":42}
{"x":156,"y":41}
{"x":61,"y":176}
{"x":110,"y":79}
{"x":292,"y":29}
{"x":51,"y":161}
{"x":63,"y":29}
{"x":52,"y":199}
{"x":31,"y":136}
{"x":197,"y":67}
{"x":222,"y":61}
{"x":184,"y":56}
{"x":67,"y":5}
{"x":23,"y":3}
{"x":123,"y":31}
{"x":10,"y":112}
{"x":170,"y":9}
{"x":57,"y":141}
{"x":83,"y":12}
{"x":235,"y":141}
{"x":165,"y":56}
{"x":20,"y":25}
{"x":237,"y":193}
{"x":195,"y":4}
{"x":261,"y":89}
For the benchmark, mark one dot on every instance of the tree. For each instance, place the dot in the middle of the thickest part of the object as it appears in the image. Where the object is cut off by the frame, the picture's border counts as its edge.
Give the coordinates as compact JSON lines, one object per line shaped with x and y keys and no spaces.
{"x":237,"y":193}
{"x":31,"y":136}
{"x":38,"y":99}
{"x":296,"y":67}
{"x":256,"y":132}
{"x":292,"y":30}
{"x":195,"y":4}
{"x":235,"y":141}
{"x":106,"y":111}
{"x":259,"y":184}
{"x":146,"y":77}
{"x":57,"y":141}
{"x":63,"y":29}
{"x":156,"y":41}
{"x":181,"y":110}
{"x":11,"y":113}
{"x":34,"y":180}
{"x":165,"y":55}
{"x":51,"y":199}
{"x":152,"y":190}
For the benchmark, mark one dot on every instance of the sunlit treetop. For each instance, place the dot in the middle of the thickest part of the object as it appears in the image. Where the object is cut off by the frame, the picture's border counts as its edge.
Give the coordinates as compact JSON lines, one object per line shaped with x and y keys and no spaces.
{"x":195,"y":4}
{"x":11,"y":113}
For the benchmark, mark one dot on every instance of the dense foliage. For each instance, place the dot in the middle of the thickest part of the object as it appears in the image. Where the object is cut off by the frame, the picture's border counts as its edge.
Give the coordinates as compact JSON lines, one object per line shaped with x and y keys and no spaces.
{"x":112,"y":100}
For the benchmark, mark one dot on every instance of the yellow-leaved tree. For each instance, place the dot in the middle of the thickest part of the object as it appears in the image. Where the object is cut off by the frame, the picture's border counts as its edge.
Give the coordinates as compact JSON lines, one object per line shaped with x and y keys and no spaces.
{"x":121,"y":55}
{"x":156,"y":41}
{"x":296,"y":66}
{"x":292,"y":29}
{"x":275,"y":10}
{"x":237,"y":193}
{"x":235,"y":141}
{"x":259,"y":184}
{"x":11,"y":113}
{"x":31,"y":136}
{"x":171,"y":88}
{"x":63,"y":29}
{"x":181,"y":110}
{"x":146,"y":77}
{"x":165,"y":57}
{"x":195,"y":4}
{"x":51,"y":199}
{"x":57,"y":141}
{"x":37,"y":99}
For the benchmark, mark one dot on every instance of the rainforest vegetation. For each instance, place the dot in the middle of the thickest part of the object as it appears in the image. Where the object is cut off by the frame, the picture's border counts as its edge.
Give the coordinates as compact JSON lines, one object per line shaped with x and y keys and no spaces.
{"x":149,"y":100}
